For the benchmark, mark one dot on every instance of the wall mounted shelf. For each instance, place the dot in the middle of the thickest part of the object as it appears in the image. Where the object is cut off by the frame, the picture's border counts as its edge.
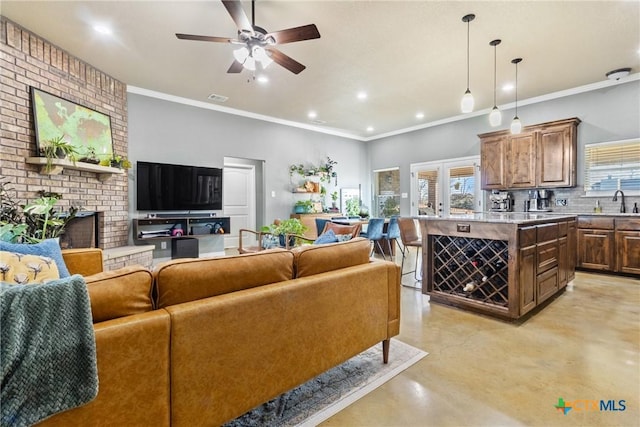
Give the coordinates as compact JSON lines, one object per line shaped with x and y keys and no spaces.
{"x":58,"y":165}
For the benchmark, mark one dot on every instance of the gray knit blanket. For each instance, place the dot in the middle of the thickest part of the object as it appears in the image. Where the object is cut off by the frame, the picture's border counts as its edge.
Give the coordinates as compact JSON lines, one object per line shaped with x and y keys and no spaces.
{"x":47,"y":350}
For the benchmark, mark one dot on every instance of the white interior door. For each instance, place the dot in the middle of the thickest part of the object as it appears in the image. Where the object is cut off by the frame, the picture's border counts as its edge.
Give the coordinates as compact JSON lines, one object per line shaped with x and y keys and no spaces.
{"x":239,"y":199}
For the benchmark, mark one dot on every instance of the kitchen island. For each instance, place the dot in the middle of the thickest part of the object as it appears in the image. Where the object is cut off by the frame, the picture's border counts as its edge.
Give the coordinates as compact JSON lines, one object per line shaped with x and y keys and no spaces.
{"x":500,"y":264}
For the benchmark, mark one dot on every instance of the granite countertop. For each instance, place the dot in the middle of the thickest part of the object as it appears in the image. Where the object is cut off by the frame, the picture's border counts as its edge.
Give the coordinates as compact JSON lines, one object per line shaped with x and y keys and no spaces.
{"x":501,"y":217}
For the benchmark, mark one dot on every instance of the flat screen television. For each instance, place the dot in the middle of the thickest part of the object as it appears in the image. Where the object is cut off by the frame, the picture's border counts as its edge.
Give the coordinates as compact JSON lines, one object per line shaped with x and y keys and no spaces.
{"x":166,"y":187}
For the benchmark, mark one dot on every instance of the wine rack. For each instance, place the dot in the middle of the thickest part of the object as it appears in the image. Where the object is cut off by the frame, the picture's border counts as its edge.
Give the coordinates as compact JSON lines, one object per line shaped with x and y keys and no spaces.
{"x":476,"y":269}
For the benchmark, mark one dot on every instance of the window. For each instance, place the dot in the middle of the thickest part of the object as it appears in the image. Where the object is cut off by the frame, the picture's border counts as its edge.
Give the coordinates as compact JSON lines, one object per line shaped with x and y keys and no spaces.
{"x":612,"y":166}
{"x":386,"y":190}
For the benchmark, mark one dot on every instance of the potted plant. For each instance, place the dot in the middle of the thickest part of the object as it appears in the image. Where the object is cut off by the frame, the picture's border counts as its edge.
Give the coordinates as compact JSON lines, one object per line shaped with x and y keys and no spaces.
{"x":58,"y":148}
{"x":303,"y":206}
{"x":117,"y":161}
{"x":90,"y":156}
{"x":334,"y":200}
{"x":284,"y":227}
{"x":33,"y":222}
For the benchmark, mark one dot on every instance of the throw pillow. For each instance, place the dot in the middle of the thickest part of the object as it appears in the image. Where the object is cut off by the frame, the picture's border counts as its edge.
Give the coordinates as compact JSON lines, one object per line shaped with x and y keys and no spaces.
{"x":328,"y":237}
{"x":343,"y":237}
{"x":269,"y":241}
{"x":19,"y":269}
{"x":48,"y":248}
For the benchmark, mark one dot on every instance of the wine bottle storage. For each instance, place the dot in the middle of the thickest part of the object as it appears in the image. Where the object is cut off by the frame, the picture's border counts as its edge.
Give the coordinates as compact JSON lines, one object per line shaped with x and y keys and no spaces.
{"x":476,"y":269}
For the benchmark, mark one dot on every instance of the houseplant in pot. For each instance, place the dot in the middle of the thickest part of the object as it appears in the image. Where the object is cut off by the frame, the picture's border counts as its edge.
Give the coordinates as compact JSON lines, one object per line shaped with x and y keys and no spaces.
{"x":58,"y":148}
{"x":287,"y":226}
{"x":303,"y":206}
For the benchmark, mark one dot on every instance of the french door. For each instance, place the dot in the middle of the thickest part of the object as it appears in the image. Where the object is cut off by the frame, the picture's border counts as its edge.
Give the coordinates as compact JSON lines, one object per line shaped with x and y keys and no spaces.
{"x":446,"y":187}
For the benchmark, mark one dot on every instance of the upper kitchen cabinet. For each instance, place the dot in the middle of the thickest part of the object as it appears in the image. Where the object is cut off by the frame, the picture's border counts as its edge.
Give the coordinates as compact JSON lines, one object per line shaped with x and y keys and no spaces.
{"x":542,"y":155}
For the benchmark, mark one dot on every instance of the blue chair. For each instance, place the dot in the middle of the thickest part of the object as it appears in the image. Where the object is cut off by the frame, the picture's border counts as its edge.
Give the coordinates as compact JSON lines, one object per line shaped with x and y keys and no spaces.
{"x":393,"y":234}
{"x":320,"y":223}
{"x":375,"y":233}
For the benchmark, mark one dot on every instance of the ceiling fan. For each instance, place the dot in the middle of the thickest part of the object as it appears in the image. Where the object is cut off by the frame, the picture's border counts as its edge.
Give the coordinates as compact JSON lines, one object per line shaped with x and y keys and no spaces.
{"x":258,"y":46}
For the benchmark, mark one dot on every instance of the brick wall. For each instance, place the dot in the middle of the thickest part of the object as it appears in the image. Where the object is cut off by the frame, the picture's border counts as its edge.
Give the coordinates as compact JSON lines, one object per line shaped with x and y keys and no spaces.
{"x":28,"y":60}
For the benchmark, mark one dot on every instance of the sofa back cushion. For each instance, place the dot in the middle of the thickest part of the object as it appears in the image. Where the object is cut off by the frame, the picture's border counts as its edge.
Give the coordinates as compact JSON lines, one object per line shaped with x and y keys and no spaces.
{"x":315,"y":259}
{"x":183,"y":280}
{"x":120,"y":293}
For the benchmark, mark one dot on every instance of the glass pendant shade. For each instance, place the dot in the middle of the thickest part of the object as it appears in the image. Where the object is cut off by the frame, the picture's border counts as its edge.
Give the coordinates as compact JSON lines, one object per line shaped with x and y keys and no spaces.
{"x":466,"y":105}
{"x":495,"y":117}
{"x":260,"y":55}
{"x":516,"y":126}
{"x":241,"y":54}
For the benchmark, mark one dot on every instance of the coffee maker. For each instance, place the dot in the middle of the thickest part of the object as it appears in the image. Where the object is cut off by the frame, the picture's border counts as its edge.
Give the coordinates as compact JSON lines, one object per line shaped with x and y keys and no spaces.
{"x":501,"y":201}
{"x":539,"y":201}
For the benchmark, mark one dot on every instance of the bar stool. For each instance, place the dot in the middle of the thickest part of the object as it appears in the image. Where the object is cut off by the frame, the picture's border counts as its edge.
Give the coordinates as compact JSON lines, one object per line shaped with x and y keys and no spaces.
{"x":410,"y":239}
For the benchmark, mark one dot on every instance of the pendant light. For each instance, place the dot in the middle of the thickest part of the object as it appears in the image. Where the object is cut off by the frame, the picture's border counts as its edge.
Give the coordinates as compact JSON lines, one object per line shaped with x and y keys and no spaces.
{"x":466,"y":105}
{"x":495,"y":117}
{"x":516,"y":125}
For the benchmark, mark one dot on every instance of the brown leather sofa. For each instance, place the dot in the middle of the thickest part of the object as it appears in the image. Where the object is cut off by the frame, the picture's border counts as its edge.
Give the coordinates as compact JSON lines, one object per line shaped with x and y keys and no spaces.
{"x":202,"y":341}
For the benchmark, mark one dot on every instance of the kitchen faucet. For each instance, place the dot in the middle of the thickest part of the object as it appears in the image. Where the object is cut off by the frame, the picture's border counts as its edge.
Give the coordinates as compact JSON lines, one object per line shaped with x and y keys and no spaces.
{"x":615,"y":199}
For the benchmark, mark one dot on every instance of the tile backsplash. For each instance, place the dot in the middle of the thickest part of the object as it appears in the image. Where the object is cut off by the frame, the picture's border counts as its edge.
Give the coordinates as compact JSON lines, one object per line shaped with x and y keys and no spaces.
{"x":576,"y":201}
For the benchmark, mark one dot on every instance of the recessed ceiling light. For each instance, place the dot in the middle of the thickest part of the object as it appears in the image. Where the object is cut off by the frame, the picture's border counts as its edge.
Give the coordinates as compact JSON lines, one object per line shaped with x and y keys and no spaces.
{"x":362,"y":95}
{"x":507,"y":87}
{"x":420,"y":115}
{"x":103,"y":29}
{"x":312,"y":114}
{"x":262,"y":79}
{"x":369,"y":128}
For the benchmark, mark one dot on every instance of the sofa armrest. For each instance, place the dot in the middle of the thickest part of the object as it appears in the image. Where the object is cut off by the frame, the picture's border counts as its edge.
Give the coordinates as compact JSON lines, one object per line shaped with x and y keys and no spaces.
{"x":85,"y":261}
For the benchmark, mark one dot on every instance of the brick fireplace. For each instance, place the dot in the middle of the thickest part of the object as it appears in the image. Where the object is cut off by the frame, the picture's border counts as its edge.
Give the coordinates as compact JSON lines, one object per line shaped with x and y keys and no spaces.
{"x":82,"y":231}
{"x":29,"y":60}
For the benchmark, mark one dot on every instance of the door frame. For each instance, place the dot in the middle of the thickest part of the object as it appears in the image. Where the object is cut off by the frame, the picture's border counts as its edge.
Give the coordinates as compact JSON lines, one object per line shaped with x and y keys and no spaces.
{"x":443,"y":166}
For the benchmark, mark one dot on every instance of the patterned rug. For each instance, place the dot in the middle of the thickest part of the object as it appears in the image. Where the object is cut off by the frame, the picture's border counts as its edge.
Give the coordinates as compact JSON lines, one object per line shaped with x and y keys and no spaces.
{"x":332,"y":391}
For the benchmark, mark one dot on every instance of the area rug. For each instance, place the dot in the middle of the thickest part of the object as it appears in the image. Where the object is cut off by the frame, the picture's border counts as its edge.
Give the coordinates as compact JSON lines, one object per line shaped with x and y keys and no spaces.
{"x":332,"y":391}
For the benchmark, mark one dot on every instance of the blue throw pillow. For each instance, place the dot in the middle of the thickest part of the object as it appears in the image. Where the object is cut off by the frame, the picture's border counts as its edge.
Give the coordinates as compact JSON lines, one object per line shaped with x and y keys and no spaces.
{"x":49,"y":248}
{"x":328,"y":237}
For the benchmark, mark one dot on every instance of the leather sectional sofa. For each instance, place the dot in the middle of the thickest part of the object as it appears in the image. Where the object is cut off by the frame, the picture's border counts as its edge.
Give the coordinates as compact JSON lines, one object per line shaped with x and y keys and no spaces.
{"x":202,"y":341}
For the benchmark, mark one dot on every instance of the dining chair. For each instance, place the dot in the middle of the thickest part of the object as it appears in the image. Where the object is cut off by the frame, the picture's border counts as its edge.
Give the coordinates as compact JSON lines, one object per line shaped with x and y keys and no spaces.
{"x":392,"y":235}
{"x":320,"y":223}
{"x":375,"y":233}
{"x":410,"y":239}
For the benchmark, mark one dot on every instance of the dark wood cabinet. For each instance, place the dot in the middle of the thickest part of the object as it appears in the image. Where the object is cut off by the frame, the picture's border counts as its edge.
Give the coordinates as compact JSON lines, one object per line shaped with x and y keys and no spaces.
{"x":542,"y":155}
{"x":595,"y":249}
{"x":556,"y":156}
{"x":608,"y":243}
{"x":521,"y":160}
{"x":492,"y":159}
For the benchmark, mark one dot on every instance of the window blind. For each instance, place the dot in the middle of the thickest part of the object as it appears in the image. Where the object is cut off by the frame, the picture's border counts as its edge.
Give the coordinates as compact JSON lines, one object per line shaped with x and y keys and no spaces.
{"x":612,"y":166}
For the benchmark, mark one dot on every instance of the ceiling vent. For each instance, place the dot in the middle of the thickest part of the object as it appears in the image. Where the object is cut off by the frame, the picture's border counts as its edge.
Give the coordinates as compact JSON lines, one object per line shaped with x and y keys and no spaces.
{"x":318,"y":122}
{"x":217,"y":98}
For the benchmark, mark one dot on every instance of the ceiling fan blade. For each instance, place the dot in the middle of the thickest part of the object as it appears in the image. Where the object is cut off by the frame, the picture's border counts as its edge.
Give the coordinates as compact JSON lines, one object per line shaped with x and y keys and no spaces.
{"x":237,"y":14}
{"x":305,"y":32}
{"x":285,"y":61}
{"x":204,"y":38}
{"x":236,"y":67}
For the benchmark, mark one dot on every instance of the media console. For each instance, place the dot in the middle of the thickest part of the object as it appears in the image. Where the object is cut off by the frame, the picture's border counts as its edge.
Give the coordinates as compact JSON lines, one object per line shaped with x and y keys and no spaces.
{"x":182,"y":230}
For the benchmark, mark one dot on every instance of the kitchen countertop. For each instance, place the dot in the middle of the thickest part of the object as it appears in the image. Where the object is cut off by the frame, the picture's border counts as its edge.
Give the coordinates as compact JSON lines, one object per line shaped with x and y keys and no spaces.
{"x":607,"y":214}
{"x":501,"y":217}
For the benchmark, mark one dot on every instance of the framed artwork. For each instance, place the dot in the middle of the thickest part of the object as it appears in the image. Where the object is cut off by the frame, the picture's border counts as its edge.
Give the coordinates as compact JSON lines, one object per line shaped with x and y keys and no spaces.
{"x":346,"y":194}
{"x":82,"y":127}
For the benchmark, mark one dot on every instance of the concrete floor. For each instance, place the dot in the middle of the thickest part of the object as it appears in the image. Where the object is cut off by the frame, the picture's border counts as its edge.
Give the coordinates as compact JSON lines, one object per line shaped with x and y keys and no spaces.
{"x":584,"y":346}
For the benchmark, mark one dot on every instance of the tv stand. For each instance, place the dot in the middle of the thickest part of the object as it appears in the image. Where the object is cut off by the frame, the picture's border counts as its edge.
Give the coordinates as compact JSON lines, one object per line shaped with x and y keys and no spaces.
{"x":174,"y":226}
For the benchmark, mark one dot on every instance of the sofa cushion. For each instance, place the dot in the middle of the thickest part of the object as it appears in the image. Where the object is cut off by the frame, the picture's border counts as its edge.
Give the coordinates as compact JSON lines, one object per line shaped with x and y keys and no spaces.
{"x":183,"y":280}
{"x":49,"y":248}
{"x":328,"y":237}
{"x":20,"y":269}
{"x":314,"y":259}
{"x":120,"y":293}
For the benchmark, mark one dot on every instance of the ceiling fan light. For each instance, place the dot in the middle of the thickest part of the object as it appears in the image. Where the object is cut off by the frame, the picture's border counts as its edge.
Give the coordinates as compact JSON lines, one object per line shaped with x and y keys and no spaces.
{"x":495,"y":117}
{"x":241,"y":54}
{"x":516,"y":126}
{"x":250,"y":63}
{"x":466,"y":105}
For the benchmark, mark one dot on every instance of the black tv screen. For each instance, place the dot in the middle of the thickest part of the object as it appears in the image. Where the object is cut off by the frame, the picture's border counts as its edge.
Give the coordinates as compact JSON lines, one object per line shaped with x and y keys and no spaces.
{"x":166,"y":187}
